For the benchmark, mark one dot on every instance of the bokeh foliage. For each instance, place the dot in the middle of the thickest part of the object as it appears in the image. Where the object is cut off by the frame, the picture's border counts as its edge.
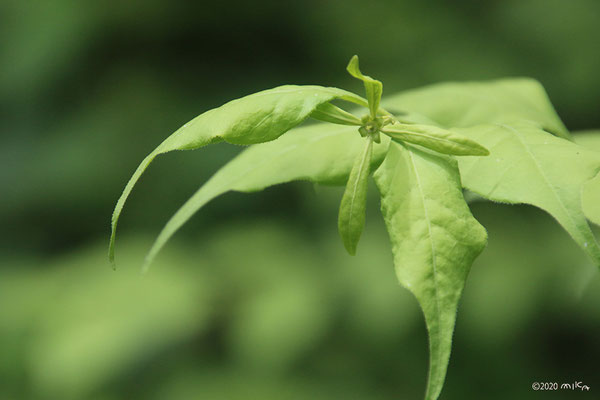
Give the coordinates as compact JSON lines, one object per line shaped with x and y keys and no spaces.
{"x":256,"y":297}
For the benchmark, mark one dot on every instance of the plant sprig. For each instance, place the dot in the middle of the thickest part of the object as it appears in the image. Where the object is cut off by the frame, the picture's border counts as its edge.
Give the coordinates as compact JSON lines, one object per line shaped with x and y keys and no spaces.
{"x":520,"y":152}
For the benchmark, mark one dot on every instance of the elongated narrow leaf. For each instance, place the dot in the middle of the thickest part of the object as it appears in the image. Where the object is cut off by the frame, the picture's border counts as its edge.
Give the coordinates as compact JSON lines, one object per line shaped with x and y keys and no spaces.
{"x":351,"y":219}
{"x":434,"y":241}
{"x":321,"y":153}
{"x":257,"y":118}
{"x":434,"y":138}
{"x":373,"y":87}
{"x":467,"y":104}
{"x":529,"y":165}
{"x":327,"y":112}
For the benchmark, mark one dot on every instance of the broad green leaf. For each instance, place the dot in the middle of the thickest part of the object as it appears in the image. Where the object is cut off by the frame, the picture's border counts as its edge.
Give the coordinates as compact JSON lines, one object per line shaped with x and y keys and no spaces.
{"x":590,"y":199}
{"x":320,"y":153}
{"x":434,"y":241}
{"x":590,"y":195}
{"x":467,"y":104}
{"x":327,"y":112}
{"x":589,"y":139}
{"x":434,"y":138}
{"x":257,"y":118}
{"x":528,"y":165}
{"x":351,"y":219}
{"x":373,"y":87}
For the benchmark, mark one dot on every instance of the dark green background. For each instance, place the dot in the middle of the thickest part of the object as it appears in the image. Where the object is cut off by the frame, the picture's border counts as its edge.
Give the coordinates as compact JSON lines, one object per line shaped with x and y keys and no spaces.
{"x":256,"y":298}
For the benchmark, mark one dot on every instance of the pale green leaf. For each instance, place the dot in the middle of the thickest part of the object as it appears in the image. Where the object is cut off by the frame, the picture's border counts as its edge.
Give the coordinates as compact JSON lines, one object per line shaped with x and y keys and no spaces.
{"x":467,"y":104}
{"x":590,"y":199}
{"x":434,"y":138}
{"x":590,"y":194}
{"x":327,"y":112}
{"x":373,"y":87}
{"x":529,"y":165}
{"x":526,"y":165}
{"x":257,"y":118}
{"x":320,"y":153}
{"x":589,"y":139}
{"x":434,"y":241}
{"x":351,"y":219}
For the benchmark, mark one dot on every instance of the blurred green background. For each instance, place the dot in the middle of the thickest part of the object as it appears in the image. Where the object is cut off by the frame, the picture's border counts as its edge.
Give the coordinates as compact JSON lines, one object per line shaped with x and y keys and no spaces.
{"x":256,"y":298}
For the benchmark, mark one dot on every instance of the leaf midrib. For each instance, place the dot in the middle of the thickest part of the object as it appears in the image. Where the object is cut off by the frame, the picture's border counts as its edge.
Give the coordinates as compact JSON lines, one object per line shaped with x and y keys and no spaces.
{"x":540,"y":171}
{"x":433,"y":250}
{"x":436,"y":138}
{"x":356,"y":182}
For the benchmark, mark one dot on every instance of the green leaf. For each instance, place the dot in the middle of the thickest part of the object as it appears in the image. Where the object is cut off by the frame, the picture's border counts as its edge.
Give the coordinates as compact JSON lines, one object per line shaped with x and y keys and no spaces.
{"x":589,"y":139}
{"x":590,"y":199}
{"x":320,"y":153}
{"x":257,"y":118}
{"x":373,"y":87}
{"x":351,"y":219}
{"x":528,"y":165}
{"x":467,"y":104}
{"x":511,"y":118}
{"x":590,"y":194}
{"x":434,"y":138}
{"x":434,"y":241}
{"x":327,"y":112}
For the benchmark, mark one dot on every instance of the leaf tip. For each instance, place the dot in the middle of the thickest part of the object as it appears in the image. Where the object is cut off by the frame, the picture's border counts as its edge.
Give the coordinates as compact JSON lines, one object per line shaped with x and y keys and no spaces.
{"x":151,"y":255}
{"x":146,"y":265}
{"x":111,"y":252}
{"x":350,"y":248}
{"x":482,"y":151}
{"x":352,"y":67}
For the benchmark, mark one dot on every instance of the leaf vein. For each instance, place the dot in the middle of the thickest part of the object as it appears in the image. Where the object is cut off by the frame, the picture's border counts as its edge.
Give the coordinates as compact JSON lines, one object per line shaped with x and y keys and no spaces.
{"x":540,"y":170}
{"x":433,"y":250}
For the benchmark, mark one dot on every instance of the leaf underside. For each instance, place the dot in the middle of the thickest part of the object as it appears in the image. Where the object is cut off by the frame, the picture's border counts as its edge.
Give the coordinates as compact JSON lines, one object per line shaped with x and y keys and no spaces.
{"x":590,"y":199}
{"x":320,"y":153}
{"x":512,"y":118}
{"x":528,"y":165}
{"x":434,"y":240}
{"x":532,"y":159}
{"x":589,"y":139}
{"x":590,"y":193}
{"x":434,"y":236}
{"x":467,"y":104}
{"x":257,"y":118}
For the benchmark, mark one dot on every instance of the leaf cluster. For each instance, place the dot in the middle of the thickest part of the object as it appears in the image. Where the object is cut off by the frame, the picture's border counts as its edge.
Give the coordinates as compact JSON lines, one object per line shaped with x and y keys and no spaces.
{"x":501,"y":140}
